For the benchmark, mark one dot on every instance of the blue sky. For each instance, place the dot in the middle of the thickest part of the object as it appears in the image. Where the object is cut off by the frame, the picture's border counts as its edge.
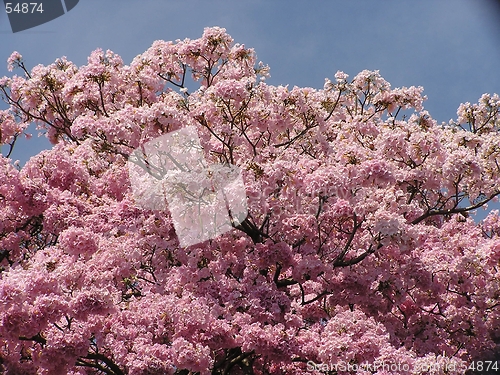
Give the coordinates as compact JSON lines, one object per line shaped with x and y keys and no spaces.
{"x":450,"y":47}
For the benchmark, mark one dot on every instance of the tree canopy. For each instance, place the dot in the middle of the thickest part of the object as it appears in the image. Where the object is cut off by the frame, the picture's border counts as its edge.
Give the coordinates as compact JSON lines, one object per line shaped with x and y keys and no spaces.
{"x":357,"y":246}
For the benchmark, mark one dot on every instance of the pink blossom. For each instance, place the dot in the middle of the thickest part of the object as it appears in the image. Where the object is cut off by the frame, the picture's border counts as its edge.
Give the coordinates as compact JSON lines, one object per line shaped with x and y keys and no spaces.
{"x":358,"y":245}
{"x":14,"y":60}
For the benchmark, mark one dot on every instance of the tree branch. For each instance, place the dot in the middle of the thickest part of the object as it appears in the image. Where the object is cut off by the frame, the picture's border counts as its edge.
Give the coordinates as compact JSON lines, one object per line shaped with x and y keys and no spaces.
{"x":455,"y":210}
{"x":112,"y":368}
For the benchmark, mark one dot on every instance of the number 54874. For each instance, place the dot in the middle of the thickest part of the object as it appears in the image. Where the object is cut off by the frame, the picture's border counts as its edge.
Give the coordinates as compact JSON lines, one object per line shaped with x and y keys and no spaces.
{"x":24,"y":7}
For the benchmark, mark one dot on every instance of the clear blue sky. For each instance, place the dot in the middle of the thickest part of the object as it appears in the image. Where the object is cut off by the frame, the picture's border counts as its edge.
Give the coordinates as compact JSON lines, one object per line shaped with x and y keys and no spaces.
{"x":450,"y":47}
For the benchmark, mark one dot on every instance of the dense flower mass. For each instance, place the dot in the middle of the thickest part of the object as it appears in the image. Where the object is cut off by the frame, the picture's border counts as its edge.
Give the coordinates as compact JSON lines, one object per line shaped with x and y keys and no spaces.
{"x":358,"y":253}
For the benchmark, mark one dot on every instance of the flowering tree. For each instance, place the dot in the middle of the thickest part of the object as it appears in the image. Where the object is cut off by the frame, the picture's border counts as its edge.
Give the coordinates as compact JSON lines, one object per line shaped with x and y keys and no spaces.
{"x":357,"y":247}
